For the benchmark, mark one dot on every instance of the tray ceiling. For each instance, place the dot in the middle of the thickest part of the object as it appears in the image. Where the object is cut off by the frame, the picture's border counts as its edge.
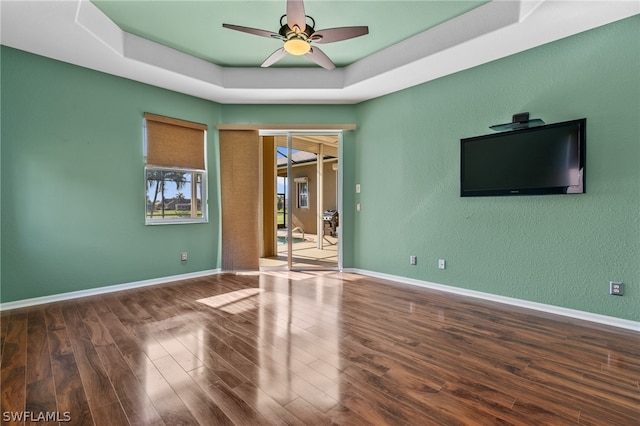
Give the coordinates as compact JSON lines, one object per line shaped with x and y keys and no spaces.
{"x":181,"y":45}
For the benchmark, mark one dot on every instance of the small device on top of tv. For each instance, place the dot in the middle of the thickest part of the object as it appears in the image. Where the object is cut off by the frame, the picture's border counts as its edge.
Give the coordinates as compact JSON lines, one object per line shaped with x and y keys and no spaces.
{"x":548,"y":159}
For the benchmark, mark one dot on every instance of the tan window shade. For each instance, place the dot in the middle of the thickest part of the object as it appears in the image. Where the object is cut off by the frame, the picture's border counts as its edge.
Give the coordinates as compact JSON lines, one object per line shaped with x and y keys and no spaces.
{"x":174,"y":143}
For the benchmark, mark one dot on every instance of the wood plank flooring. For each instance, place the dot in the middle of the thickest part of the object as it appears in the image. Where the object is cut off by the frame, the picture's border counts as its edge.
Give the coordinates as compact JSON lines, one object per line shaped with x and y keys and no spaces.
{"x":310,"y":349}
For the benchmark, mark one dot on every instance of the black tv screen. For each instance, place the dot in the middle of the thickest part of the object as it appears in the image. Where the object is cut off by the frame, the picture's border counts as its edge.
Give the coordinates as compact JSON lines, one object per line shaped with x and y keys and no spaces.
{"x":546,"y":159}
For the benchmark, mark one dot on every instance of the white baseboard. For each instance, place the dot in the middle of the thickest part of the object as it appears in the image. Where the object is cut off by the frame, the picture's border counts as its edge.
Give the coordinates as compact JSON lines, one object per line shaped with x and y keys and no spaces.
{"x":103,"y":290}
{"x":572,"y":313}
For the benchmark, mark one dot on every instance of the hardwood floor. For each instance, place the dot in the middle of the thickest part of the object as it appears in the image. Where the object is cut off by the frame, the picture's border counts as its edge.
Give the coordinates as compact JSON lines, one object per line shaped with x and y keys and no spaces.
{"x":310,"y":349}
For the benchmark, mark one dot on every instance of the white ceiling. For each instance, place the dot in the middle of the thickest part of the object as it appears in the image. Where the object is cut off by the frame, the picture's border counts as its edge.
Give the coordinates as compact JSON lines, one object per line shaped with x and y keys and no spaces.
{"x":77,"y":32}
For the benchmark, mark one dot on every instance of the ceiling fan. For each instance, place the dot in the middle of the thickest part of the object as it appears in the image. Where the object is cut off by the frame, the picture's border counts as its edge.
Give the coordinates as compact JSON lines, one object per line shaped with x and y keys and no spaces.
{"x":298,"y":36}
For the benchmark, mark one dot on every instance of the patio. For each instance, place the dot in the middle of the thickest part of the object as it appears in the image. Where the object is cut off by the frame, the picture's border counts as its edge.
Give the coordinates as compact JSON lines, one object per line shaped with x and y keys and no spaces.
{"x":306,"y":254}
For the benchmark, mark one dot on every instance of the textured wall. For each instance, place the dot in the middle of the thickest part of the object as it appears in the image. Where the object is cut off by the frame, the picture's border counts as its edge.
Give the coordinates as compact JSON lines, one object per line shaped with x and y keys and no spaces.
{"x":73,"y":214}
{"x":561,"y":249}
{"x":73,"y":182}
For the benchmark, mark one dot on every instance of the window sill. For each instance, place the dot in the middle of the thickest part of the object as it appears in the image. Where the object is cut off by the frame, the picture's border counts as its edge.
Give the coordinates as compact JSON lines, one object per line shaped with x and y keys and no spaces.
{"x":174,"y":221}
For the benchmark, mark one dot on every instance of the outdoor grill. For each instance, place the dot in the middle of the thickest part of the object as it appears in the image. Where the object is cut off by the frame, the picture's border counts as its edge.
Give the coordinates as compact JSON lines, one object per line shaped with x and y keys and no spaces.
{"x":330,"y":218}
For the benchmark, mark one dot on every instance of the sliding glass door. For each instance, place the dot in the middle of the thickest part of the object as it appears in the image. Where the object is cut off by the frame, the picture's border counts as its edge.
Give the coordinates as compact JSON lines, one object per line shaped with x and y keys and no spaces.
{"x":307,"y":200}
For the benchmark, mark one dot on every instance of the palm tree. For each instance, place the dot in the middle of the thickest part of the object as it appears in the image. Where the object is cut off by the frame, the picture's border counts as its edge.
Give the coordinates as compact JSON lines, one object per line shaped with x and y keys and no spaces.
{"x":160,"y":177}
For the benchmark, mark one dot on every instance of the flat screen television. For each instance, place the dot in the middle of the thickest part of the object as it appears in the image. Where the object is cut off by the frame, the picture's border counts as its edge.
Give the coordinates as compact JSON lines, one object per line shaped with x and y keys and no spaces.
{"x":548,"y":159}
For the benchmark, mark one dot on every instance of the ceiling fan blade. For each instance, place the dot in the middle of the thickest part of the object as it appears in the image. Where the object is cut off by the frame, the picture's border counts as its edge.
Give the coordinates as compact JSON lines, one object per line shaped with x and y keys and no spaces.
{"x":337,"y":34}
{"x":320,"y":58}
{"x":262,"y":33}
{"x":274,"y":57}
{"x":295,"y":14}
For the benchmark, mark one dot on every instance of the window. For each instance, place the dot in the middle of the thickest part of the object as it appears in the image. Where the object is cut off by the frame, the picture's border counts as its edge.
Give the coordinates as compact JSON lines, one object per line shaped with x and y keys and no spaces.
{"x":175,"y":171}
{"x":302,"y":188}
{"x":170,"y":195}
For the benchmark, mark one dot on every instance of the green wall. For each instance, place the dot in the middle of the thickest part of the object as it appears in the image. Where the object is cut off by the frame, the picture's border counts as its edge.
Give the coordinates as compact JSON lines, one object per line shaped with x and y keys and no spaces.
{"x":288,"y":114}
{"x":73,"y":187}
{"x":73,"y":182}
{"x":560,"y":250}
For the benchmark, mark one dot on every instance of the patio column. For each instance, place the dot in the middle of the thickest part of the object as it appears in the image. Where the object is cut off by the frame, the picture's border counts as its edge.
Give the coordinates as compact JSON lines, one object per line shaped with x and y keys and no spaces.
{"x":320,"y":195}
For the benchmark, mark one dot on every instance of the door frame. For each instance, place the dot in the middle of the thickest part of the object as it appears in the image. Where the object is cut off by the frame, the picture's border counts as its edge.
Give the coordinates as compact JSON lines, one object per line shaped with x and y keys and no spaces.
{"x":290,"y":133}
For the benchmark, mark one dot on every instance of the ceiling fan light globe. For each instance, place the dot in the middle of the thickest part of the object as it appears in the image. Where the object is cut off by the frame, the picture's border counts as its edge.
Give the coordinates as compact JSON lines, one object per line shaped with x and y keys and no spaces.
{"x":297,"y":47}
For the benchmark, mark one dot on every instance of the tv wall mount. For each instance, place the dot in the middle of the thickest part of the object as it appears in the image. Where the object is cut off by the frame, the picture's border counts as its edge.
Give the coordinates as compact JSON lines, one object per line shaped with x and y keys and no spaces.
{"x":518,"y":121}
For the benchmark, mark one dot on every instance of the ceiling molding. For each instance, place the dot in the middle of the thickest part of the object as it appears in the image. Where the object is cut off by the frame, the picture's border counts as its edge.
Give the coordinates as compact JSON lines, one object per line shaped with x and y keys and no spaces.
{"x":285,"y":127}
{"x":78,"y":32}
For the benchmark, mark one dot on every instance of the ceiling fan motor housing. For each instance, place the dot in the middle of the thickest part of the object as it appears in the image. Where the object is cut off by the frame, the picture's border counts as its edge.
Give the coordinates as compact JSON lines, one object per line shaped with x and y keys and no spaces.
{"x":297,"y":42}
{"x":288,"y":33}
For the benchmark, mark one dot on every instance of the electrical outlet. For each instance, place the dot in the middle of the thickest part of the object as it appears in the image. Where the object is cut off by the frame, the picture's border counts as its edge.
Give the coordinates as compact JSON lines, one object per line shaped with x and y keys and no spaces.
{"x":442,"y":264}
{"x":413,"y":260}
{"x":183,"y":256}
{"x":616,"y":288}
{"x":357,"y":188}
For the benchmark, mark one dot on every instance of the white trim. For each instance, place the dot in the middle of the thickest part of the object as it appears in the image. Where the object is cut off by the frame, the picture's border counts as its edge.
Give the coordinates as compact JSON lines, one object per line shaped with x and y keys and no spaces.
{"x":567,"y":312}
{"x":571,"y":313}
{"x":79,"y":33}
{"x":103,"y":290}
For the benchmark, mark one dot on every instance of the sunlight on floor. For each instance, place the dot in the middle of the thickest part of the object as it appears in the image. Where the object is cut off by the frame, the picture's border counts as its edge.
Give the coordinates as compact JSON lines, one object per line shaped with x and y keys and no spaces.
{"x":234,"y":302}
{"x":297,"y":276}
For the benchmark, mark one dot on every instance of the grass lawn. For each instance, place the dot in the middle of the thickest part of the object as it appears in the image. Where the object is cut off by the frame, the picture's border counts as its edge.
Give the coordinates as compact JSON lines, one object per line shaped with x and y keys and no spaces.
{"x":172,"y":213}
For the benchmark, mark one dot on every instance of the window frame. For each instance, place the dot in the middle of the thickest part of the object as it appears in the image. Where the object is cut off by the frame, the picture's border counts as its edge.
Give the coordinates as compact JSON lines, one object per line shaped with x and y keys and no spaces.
{"x":204,"y":215}
{"x":194,"y":172}
{"x":300,"y":194}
